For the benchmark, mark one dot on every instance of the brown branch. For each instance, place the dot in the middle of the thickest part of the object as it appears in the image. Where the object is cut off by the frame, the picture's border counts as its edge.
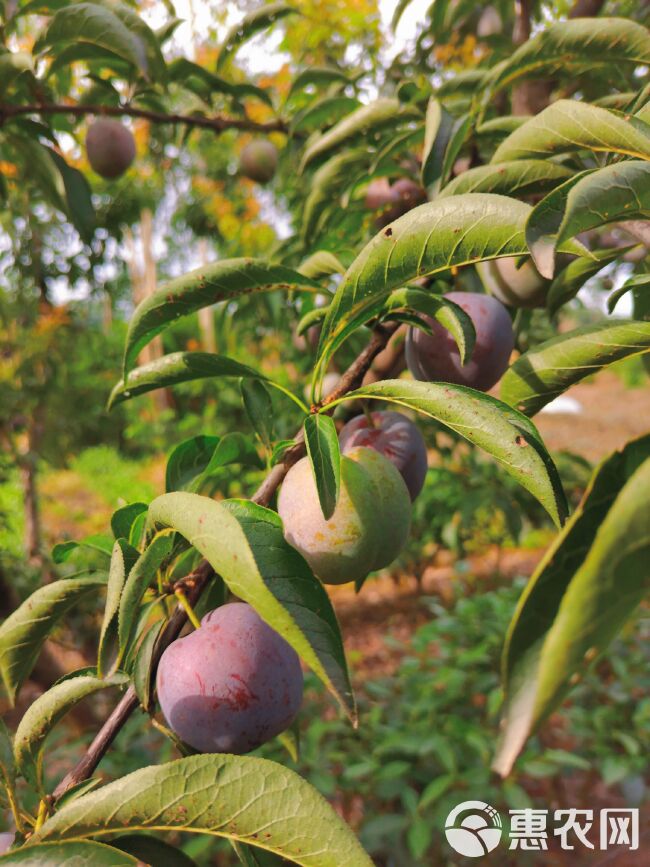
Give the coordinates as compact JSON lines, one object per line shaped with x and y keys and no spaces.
{"x":218,"y":123}
{"x":586,"y":8}
{"x":194,"y":583}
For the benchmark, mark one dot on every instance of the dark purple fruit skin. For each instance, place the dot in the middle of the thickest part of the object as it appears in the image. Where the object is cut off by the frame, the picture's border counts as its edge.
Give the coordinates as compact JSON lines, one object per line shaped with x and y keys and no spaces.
{"x":435,"y":357}
{"x":110,"y":147}
{"x":396,"y":438}
{"x":259,"y":161}
{"x":392,"y":201}
{"x":231,"y":685}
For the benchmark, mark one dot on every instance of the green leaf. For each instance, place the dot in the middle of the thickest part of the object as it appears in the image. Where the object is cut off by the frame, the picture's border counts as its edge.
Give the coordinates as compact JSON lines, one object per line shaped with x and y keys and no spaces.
{"x":322,"y":263}
{"x":582,"y":592}
{"x":7,"y":766}
{"x":322,"y":443}
{"x":122,"y":560}
{"x":175,"y":368}
{"x":327,"y":185}
{"x":205,"y":84}
{"x":514,"y":178}
{"x":259,"y":408}
{"x":615,"y":193}
{"x":13,"y":64}
{"x":322,"y":113}
{"x":152,"y":850}
{"x":317,"y":75}
{"x":438,"y":130}
{"x":142,"y":665}
{"x":571,"y":279}
{"x":188,"y":460}
{"x":44,"y":713}
{"x":216,"y":282}
{"x":234,"y":448}
{"x":244,"y":544}
{"x":569,"y":125}
{"x":251,"y":24}
{"x":97,"y":25}
{"x":251,"y":856}
{"x":543,"y":373}
{"x":98,"y":542}
{"x":23,"y":633}
{"x":122,"y":520}
{"x":581,"y":42}
{"x":138,"y":27}
{"x":362,"y":122}
{"x":507,"y":435}
{"x":634,"y":284}
{"x":460,"y":132}
{"x":260,"y":803}
{"x":140,"y":576}
{"x":458,"y":230}
{"x":73,"y":853}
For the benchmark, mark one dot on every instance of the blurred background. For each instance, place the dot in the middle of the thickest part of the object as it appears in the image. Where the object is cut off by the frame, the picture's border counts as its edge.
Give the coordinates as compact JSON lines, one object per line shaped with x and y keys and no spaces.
{"x":424,"y":638}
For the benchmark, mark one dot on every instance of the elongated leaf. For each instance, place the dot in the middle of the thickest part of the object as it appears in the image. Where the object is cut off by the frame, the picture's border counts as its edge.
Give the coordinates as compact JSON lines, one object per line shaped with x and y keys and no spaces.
{"x":44,"y":713}
{"x":138,"y":27}
{"x":244,"y":544}
{"x":587,"y":584}
{"x":514,"y":178}
{"x":543,"y":373}
{"x":102,"y":544}
{"x":259,"y":802}
{"x":571,"y":279}
{"x":188,"y":460}
{"x":23,"y":633}
{"x":581,"y":41}
{"x":365,"y":120}
{"x":256,"y":857}
{"x":141,"y":575}
{"x":216,"y":282}
{"x":122,"y":520}
{"x":460,"y":132}
{"x":142,"y":665}
{"x":250,"y":25}
{"x":322,"y":263}
{"x":234,"y":448}
{"x":73,"y":853}
{"x":7,"y":765}
{"x":507,"y":436}
{"x":568,"y":125}
{"x":617,"y":192}
{"x":323,"y":112}
{"x":77,"y":195}
{"x":259,"y":409}
{"x":152,"y":850}
{"x":438,"y":128}
{"x":175,"y":368}
{"x":97,"y":25}
{"x":634,"y":284}
{"x":322,"y":443}
{"x":13,"y":64}
{"x":122,"y":560}
{"x":205,"y":84}
{"x":317,"y":75}
{"x":457,"y":230}
{"x":327,"y":185}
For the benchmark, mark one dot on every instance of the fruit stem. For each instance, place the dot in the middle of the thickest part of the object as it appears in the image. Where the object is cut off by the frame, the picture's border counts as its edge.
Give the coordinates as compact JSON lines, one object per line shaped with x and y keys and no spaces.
{"x":42,"y":814}
{"x":368,"y":415}
{"x":15,"y":811}
{"x":191,"y":616}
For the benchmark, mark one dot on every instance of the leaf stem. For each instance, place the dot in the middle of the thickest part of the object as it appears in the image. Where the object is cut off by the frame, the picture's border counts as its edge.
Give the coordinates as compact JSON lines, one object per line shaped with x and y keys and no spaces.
{"x":41,"y":816}
{"x":191,"y":616}
{"x":15,"y":809}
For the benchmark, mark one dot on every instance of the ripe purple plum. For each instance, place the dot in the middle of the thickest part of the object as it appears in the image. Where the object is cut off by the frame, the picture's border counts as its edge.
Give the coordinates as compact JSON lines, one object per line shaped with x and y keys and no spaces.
{"x":517,"y":287}
{"x":396,"y":438}
{"x":259,"y":161}
{"x":391,"y":201}
{"x":110,"y":148}
{"x":368,"y":528}
{"x":230,"y":685}
{"x":435,"y":357}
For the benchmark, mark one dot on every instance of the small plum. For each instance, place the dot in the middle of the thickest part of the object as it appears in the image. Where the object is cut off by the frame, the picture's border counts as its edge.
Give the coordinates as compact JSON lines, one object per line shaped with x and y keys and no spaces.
{"x":230,"y":685}
{"x":6,"y":841}
{"x":368,"y":528}
{"x":396,"y":438}
{"x":378,"y":194}
{"x":517,"y":287}
{"x":435,"y":357}
{"x":392,"y":201}
{"x":110,"y":148}
{"x":259,"y":161}
{"x":490,"y":23}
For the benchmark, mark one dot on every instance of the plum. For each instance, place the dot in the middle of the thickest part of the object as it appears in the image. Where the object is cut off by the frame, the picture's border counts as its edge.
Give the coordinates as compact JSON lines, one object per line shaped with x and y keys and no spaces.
{"x":259,"y":161}
{"x":435,"y":357}
{"x":230,"y":685}
{"x":369,"y":526}
{"x":392,"y":201}
{"x":518,"y":287}
{"x":396,"y":438}
{"x":110,"y":147}
{"x":6,"y":841}
{"x":489,"y":23}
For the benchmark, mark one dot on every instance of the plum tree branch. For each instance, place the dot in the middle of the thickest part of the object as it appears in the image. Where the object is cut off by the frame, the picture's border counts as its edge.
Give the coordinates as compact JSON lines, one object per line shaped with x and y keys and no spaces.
{"x":194,"y":583}
{"x":218,"y":123}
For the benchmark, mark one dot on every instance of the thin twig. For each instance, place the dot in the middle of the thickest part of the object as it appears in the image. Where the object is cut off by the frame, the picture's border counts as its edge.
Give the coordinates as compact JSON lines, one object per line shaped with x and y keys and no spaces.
{"x":194,"y":583}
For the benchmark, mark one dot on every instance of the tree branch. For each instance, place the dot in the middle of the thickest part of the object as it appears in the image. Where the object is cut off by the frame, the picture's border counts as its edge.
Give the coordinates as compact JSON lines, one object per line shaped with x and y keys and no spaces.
{"x":218,"y":123}
{"x":194,"y":583}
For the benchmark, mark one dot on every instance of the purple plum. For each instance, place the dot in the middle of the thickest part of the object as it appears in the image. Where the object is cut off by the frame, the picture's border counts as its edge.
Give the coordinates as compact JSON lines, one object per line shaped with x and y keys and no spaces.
{"x":110,"y":148}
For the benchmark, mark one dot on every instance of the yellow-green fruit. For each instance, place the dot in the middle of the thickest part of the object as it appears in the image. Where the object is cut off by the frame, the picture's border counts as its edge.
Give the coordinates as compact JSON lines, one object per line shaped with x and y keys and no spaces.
{"x":110,"y":148}
{"x":517,"y":287}
{"x":259,"y":161}
{"x":368,"y":527}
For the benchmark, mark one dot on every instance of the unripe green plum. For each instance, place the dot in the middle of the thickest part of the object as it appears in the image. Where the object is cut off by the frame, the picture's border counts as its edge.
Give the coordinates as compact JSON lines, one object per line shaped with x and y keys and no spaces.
{"x":368,"y":527}
{"x":259,"y":161}
{"x":435,"y":357}
{"x":396,"y":438}
{"x":231,"y":685}
{"x":110,"y":148}
{"x":517,"y":287}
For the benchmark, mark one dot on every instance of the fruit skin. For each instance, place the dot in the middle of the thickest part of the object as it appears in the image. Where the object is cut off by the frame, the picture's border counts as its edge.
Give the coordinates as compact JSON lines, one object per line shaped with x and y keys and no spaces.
{"x":396,"y":438}
{"x":259,"y":161}
{"x":110,"y":148}
{"x":517,"y":287}
{"x":435,"y":358}
{"x":369,"y":526}
{"x":6,"y":841}
{"x":392,"y":201}
{"x":230,"y":685}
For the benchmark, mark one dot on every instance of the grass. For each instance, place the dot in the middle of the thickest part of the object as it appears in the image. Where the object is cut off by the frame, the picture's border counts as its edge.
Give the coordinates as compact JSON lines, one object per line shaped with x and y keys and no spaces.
{"x":116,"y":479}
